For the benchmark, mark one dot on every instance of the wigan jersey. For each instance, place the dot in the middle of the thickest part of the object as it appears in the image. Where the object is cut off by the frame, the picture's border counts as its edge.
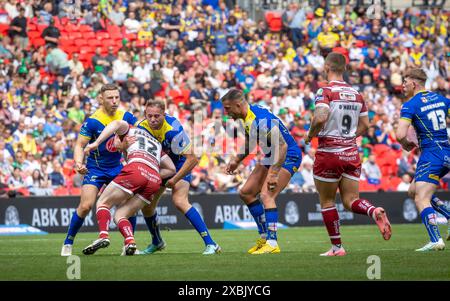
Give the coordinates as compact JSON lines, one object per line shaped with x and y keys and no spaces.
{"x":427,"y":111}
{"x":105,"y":156}
{"x":145,"y":150}
{"x":346,"y":107}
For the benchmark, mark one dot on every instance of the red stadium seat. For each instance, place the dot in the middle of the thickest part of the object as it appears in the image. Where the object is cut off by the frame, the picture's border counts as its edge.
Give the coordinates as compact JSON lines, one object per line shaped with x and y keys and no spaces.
{"x":75,"y":35}
{"x":87,"y":49}
{"x":38,"y":42}
{"x":276,"y":24}
{"x":89,"y":35}
{"x":80,"y":42}
{"x":86,"y":28}
{"x":41,"y":27}
{"x":32,"y":35}
{"x":61,"y":191}
{"x":102,"y":35}
{"x":94,"y":43}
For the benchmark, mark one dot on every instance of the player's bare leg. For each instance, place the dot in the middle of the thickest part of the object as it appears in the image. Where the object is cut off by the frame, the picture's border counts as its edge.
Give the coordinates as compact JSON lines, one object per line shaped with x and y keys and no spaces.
{"x":123,"y":212}
{"x":151,"y":219}
{"x":268,"y":198}
{"x":87,"y":201}
{"x":249,"y":194}
{"x":111,"y":196}
{"x":327,"y":197}
{"x":424,"y":192}
{"x":349,"y":190}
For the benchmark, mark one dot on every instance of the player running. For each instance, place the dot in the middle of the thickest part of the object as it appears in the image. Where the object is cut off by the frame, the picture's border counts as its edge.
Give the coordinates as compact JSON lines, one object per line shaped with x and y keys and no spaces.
{"x":340,"y":116}
{"x":133,"y":187}
{"x":427,"y":112}
{"x":270,"y":177}
{"x":103,"y":165}
{"x":175,"y":142}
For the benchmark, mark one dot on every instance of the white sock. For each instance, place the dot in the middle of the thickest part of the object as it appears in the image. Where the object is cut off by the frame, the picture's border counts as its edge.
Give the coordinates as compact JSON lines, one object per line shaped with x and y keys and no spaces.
{"x":272,"y":242}
{"x":336,"y":247}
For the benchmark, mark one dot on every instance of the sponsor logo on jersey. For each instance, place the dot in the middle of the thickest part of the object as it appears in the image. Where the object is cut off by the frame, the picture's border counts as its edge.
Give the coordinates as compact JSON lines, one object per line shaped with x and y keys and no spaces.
{"x":424,"y":99}
{"x":434,"y":177}
{"x":347,"y":96}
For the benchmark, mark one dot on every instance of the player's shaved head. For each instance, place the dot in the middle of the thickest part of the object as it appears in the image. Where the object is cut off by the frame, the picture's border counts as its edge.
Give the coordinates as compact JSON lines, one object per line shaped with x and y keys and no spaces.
{"x":234,"y":103}
{"x":418,"y":75}
{"x":336,"y":62}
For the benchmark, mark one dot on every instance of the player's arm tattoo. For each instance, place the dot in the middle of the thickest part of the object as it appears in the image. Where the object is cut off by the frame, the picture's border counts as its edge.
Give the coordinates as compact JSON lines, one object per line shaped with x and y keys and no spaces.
{"x":279,"y":148}
{"x":363,"y":125}
{"x":320,"y":118}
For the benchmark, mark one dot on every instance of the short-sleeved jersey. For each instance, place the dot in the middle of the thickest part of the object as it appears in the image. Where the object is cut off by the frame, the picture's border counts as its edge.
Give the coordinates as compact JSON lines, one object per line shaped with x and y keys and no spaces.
{"x":105,"y":156}
{"x":258,"y":125}
{"x":145,"y":150}
{"x":427,"y":111}
{"x":346,"y":107}
{"x":174,"y":140}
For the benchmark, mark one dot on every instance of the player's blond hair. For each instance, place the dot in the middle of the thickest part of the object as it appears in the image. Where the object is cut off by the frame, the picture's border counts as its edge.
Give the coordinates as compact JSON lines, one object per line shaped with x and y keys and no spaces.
{"x":159,"y":103}
{"x":417,"y":74}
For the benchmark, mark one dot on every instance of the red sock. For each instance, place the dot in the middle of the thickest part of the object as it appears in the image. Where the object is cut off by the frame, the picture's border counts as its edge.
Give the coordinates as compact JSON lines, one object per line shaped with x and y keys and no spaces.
{"x":362,"y":206}
{"x":103,"y":218}
{"x":331,"y":220}
{"x":126,"y":229}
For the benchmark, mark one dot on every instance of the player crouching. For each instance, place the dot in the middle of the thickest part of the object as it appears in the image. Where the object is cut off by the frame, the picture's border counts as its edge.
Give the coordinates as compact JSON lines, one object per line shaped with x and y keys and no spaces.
{"x":134,"y":187}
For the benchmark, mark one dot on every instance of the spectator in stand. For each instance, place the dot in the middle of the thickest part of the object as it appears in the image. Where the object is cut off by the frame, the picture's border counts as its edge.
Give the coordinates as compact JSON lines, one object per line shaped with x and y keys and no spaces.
{"x":56,"y":60}
{"x":18,"y":29}
{"x":56,"y":177}
{"x":371,"y":171}
{"x":405,"y":183}
{"x":16,"y":180}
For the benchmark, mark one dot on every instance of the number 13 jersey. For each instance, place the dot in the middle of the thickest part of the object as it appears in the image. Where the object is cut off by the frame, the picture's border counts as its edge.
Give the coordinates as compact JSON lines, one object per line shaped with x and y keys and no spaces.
{"x":346,"y":106}
{"x":146,"y":149}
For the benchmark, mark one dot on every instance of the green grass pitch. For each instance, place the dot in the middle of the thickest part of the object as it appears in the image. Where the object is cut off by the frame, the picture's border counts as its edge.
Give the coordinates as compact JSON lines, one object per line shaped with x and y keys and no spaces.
{"x":37,"y":257}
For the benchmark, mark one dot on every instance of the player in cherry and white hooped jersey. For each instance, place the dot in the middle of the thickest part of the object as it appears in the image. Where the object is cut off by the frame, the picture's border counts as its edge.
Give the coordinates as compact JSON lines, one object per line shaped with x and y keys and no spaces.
{"x":134,"y":187}
{"x":340,"y":117}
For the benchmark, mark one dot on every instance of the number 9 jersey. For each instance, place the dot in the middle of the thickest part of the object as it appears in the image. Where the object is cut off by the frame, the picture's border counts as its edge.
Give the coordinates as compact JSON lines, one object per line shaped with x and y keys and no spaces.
{"x":346,"y":106}
{"x":337,"y":155}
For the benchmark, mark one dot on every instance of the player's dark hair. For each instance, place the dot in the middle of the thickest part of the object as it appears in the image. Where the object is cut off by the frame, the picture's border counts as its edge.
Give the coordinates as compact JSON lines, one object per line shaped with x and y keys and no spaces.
{"x":336,"y":61}
{"x":417,"y":74}
{"x":159,"y":103}
{"x":233,"y":95}
{"x":108,"y":87}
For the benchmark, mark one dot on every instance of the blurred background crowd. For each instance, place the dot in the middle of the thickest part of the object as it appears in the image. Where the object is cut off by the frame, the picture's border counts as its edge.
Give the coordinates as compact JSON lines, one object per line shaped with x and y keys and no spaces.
{"x":55,"y":56}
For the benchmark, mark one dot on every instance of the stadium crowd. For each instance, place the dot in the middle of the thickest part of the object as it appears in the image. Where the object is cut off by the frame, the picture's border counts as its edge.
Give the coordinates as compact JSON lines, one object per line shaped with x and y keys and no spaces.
{"x":55,"y":56}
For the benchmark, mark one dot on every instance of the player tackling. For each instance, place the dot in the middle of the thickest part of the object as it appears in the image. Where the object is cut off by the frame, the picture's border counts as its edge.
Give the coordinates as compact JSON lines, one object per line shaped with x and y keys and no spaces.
{"x":427,"y":112}
{"x":134,"y":187}
{"x":340,"y":116}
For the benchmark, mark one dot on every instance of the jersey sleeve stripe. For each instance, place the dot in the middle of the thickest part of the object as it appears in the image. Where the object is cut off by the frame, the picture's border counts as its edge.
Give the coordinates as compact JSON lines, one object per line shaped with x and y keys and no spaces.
{"x":364,"y":113}
{"x":186,"y":148}
{"x":85,"y":135}
{"x":405,"y":118}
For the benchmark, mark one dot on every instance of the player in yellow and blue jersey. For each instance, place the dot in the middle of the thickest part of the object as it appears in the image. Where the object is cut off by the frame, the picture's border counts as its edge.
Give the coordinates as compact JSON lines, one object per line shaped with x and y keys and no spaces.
{"x":282,"y":158}
{"x":176,"y":143}
{"x":427,"y":112}
{"x":102,"y":165}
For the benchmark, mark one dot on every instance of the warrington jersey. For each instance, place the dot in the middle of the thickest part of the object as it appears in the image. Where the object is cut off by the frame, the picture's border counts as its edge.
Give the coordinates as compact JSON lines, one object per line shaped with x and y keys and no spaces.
{"x":258,"y":124}
{"x":174,"y":140}
{"x":105,"y":156}
{"x":145,"y":150}
{"x":427,"y":111}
